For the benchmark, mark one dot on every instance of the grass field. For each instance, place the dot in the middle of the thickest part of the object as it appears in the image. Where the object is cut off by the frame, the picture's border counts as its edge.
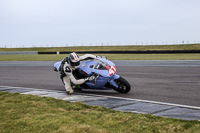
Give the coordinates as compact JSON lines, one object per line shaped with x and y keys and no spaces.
{"x":106,"y":48}
{"x":26,"y":113}
{"x":109,"y":48}
{"x":109,"y":56}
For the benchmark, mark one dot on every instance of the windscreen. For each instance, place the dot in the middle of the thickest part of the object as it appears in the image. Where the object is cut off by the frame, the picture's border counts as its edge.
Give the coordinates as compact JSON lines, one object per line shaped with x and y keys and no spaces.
{"x":101,"y":65}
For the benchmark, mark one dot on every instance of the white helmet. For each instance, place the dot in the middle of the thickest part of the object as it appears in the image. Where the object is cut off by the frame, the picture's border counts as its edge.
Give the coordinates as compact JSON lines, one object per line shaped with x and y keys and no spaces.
{"x":74,"y":60}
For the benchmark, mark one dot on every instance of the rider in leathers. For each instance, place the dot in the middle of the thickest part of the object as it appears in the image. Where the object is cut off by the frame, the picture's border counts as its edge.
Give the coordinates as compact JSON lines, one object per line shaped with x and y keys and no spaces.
{"x":68,"y":65}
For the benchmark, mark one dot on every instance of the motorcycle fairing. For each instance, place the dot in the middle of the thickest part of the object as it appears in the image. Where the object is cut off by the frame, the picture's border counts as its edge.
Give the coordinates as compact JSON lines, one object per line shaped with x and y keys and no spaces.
{"x":57,"y":65}
{"x":100,"y":82}
{"x":112,"y":80}
{"x":88,"y":68}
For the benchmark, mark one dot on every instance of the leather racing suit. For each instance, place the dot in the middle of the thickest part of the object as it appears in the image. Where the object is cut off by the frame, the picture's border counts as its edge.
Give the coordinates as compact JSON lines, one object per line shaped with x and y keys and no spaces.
{"x":66,"y":73}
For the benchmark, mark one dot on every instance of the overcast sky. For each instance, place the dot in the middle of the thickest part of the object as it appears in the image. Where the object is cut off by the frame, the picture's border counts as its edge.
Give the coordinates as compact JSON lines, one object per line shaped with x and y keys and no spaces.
{"x":61,"y":22}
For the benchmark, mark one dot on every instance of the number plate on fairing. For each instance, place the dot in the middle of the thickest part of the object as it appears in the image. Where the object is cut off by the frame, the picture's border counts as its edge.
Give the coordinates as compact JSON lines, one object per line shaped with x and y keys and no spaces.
{"x":112,"y":70}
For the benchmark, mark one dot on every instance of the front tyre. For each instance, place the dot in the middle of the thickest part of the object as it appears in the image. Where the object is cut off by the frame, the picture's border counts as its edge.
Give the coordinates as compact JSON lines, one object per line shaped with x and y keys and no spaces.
{"x":123,"y":85}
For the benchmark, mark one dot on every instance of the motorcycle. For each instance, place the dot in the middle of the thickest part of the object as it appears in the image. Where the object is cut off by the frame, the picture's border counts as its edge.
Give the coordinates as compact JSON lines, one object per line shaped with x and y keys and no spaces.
{"x":105,"y":72}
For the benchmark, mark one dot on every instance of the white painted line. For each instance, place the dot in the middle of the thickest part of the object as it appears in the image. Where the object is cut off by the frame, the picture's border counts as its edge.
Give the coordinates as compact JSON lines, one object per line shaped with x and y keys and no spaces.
{"x":146,"y":101}
{"x":139,"y":100}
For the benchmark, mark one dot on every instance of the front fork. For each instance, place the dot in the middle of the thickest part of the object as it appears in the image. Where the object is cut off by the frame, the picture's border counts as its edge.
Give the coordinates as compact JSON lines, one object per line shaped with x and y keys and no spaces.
{"x":112,"y":80}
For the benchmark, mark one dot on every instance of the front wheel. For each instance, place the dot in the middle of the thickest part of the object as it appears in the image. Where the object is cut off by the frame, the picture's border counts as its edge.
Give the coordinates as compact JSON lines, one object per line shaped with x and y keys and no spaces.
{"x":123,"y":85}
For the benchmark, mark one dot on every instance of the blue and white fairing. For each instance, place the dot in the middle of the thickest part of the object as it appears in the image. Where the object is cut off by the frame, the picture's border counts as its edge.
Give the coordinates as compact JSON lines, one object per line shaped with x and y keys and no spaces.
{"x":102,"y":67}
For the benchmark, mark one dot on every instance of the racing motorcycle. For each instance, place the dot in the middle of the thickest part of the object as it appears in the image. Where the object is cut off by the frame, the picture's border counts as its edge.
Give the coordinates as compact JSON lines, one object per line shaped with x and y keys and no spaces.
{"x":105,"y":72}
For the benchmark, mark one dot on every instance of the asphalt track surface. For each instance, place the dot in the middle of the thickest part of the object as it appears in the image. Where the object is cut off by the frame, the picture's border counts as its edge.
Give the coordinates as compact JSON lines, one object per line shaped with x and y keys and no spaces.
{"x":175,"y":82}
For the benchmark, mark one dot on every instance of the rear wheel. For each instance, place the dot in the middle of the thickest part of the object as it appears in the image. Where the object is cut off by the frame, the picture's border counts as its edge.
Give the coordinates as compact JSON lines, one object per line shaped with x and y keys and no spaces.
{"x":123,"y":85}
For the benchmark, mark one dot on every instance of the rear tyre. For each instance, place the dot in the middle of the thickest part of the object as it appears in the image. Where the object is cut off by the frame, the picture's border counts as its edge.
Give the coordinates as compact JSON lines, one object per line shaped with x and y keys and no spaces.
{"x":123,"y":85}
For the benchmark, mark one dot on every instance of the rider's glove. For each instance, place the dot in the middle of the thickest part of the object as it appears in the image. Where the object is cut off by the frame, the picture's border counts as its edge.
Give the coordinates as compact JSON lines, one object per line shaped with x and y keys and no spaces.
{"x":90,"y":78}
{"x":103,"y":57}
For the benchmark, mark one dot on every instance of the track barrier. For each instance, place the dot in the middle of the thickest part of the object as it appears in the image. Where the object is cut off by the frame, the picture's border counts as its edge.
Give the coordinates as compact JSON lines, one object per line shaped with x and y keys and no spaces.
{"x":103,"y":52}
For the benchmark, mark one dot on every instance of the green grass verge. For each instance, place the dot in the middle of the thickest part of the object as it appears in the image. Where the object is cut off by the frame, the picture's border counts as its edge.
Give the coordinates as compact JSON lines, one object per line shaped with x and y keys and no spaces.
{"x":109,"y":48}
{"x":109,"y":56}
{"x":26,"y":113}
